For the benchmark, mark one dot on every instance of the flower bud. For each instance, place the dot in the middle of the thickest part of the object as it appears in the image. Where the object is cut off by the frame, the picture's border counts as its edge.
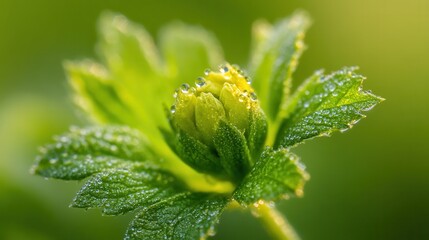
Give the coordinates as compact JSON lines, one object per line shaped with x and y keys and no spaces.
{"x":219,"y":126}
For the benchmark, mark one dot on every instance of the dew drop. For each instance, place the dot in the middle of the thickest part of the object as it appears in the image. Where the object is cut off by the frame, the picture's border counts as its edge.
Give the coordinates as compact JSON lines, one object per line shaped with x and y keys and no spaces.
{"x":223,"y":69}
{"x":300,"y":165}
{"x":248,"y":80}
{"x":207,"y":71}
{"x":331,"y":87}
{"x":184,"y":88}
{"x":253,"y":96}
{"x":200,"y":82}
{"x":113,"y":148}
{"x":173,"y":109}
{"x":318,"y":120}
{"x":53,"y":161}
{"x":175,"y":93}
{"x":241,"y":98}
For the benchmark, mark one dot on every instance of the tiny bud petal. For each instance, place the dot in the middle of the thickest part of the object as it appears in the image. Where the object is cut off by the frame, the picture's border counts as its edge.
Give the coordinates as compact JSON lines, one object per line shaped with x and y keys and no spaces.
{"x":185,"y":111}
{"x":208,"y":111}
{"x":237,"y":111}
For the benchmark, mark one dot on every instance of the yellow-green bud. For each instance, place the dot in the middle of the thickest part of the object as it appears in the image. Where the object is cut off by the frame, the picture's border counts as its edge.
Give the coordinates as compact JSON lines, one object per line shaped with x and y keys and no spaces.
{"x":222,"y":108}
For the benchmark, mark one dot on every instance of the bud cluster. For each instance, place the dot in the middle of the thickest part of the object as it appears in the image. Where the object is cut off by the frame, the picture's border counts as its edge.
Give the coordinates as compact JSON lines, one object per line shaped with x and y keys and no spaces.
{"x":222,"y":109}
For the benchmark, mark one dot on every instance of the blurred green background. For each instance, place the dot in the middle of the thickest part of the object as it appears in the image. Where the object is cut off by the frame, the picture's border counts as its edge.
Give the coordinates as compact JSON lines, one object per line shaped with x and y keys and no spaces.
{"x":369,"y":183}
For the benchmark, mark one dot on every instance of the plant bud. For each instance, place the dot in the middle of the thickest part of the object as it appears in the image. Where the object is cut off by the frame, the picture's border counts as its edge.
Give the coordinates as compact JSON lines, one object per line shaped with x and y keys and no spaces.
{"x":219,"y":126}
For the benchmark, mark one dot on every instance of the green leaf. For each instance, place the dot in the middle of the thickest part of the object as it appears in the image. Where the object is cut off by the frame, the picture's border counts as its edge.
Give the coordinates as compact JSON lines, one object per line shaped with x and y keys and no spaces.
{"x":257,"y":133}
{"x":233,"y":151}
{"x":83,"y":152}
{"x":97,"y":95}
{"x":275,"y":58}
{"x":134,"y":62}
{"x":324,"y":104}
{"x":194,"y":153}
{"x":187,"y":51}
{"x":119,"y":191}
{"x":126,"y":45}
{"x":278,"y":174}
{"x":184,"y":216}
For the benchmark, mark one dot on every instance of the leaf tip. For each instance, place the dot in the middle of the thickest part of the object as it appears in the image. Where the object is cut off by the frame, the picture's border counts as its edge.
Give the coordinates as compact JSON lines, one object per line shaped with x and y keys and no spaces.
{"x":301,"y":18}
{"x":109,"y":19}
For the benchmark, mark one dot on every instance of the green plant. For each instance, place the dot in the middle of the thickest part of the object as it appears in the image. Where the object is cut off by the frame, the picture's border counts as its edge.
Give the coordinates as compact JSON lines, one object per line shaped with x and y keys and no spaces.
{"x":224,"y":141}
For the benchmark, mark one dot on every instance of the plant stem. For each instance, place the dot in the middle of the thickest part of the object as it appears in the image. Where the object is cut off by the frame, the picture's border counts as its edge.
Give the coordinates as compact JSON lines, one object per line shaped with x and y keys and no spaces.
{"x":275,"y":223}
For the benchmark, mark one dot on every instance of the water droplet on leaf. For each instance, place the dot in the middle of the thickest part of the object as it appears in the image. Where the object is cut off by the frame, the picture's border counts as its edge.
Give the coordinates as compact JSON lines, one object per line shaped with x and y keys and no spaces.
{"x":253,"y":96}
{"x":223,"y":69}
{"x":53,"y":160}
{"x":207,"y":71}
{"x":241,"y":98}
{"x":184,"y":88}
{"x":200,"y":82}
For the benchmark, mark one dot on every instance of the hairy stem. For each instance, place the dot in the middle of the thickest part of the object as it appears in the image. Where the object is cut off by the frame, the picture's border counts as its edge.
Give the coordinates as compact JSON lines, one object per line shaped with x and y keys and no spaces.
{"x":275,"y":223}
